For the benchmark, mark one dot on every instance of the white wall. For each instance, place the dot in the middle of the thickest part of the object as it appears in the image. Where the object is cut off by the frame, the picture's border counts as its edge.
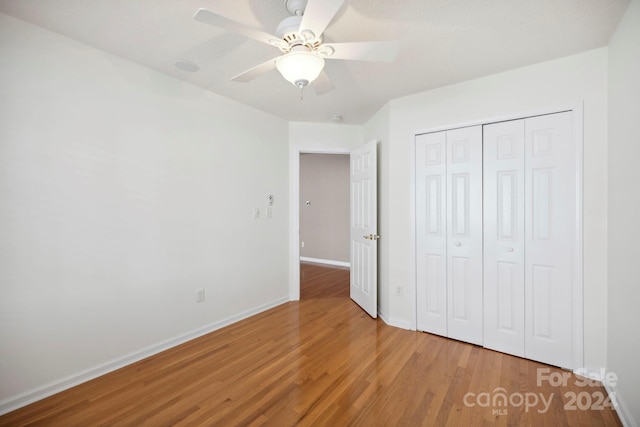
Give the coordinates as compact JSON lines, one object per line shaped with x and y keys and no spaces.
{"x":311,"y":138}
{"x":569,"y":80}
{"x":324,"y":137}
{"x":624,"y":209}
{"x":122,"y":191}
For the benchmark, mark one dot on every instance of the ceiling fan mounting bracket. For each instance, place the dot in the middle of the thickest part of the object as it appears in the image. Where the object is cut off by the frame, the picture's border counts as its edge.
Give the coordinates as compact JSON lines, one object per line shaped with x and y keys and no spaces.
{"x":295,"y":7}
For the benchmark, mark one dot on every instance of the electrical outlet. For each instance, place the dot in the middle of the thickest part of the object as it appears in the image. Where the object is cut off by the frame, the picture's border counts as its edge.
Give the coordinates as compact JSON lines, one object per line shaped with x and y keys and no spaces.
{"x":399,"y":291}
{"x":302,"y":244}
{"x":200,"y":295}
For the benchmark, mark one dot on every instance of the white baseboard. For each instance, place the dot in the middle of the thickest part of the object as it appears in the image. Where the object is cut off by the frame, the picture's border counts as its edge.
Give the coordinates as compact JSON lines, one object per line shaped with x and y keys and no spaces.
{"x":325,"y":261}
{"x":622,"y":410}
{"x":383,"y":316}
{"x":52,"y":388}
{"x":397,"y":323}
{"x":402,"y":324}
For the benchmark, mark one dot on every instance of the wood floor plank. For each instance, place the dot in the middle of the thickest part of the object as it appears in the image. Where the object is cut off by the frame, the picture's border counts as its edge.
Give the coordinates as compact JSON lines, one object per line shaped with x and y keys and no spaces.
{"x":319,"y":361}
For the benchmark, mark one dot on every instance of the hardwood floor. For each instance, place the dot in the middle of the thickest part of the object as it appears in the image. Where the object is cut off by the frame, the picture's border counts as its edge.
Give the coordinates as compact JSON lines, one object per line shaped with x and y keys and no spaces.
{"x":320,"y":361}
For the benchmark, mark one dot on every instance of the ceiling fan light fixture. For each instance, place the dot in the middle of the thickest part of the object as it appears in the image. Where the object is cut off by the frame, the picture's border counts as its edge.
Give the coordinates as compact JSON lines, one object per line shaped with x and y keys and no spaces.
{"x":300,"y":67}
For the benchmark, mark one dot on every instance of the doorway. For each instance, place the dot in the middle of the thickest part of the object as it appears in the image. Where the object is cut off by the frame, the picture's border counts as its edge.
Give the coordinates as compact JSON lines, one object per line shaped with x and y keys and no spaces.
{"x":294,"y":210}
{"x":323,"y":209}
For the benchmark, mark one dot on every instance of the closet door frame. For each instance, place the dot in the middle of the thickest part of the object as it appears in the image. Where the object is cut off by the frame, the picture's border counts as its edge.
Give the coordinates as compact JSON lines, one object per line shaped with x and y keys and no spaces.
{"x":577,"y":291}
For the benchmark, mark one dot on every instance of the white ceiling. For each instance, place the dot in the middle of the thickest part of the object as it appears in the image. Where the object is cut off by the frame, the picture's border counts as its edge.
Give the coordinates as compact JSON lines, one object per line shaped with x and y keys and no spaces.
{"x":441,"y":42}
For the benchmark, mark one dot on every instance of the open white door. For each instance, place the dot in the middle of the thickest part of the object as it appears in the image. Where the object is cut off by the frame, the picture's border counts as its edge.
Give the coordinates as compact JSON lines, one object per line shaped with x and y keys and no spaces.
{"x":364,"y":228}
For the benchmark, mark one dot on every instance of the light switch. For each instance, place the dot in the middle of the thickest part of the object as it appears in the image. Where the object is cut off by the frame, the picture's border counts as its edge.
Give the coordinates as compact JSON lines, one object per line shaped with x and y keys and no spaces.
{"x":256,"y":213}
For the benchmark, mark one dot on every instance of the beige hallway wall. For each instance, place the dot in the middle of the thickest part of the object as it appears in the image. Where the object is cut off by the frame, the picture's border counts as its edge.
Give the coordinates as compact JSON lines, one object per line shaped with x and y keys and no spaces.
{"x":324,"y":223}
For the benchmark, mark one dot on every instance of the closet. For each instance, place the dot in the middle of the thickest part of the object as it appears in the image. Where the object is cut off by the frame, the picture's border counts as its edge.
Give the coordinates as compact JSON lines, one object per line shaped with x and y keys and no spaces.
{"x":496,"y":209}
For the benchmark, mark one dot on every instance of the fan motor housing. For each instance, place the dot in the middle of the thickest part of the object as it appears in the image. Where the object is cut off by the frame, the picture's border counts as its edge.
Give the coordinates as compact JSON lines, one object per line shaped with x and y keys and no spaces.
{"x":288,"y":31}
{"x":288,"y":26}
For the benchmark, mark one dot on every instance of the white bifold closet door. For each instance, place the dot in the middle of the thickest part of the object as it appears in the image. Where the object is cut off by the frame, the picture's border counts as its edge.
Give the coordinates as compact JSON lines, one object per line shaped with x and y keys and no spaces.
{"x":449,"y":233}
{"x":529,"y":231}
{"x":504,"y":237}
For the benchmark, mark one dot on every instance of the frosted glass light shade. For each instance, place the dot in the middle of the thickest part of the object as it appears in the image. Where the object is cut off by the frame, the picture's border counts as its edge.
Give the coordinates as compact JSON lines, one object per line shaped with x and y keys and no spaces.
{"x":300,"y":68}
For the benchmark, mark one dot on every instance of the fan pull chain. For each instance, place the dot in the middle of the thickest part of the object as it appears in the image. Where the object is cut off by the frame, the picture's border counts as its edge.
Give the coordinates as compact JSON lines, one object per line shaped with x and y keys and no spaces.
{"x":301,"y":84}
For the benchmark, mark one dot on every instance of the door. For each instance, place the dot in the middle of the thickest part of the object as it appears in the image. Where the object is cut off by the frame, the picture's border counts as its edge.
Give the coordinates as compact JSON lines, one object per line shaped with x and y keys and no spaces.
{"x":530,"y":211}
{"x":504,"y":237}
{"x":449,"y":233}
{"x":464,"y":234}
{"x":550,"y":195}
{"x":431,"y":232}
{"x":364,"y":228}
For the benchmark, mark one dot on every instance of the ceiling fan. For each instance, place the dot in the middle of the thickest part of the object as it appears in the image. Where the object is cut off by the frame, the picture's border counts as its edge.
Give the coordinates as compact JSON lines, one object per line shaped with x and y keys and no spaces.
{"x":299,"y":38}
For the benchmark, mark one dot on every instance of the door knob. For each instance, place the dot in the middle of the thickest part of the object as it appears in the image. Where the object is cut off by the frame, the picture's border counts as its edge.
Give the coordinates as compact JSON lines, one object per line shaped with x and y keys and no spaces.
{"x":371,"y":237}
{"x":509,"y":249}
{"x":458,"y":243}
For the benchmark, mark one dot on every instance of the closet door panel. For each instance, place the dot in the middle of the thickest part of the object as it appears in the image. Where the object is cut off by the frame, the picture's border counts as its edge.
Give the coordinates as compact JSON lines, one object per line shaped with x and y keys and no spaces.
{"x":550,"y":177}
{"x":464,"y":234}
{"x":431,"y":233}
{"x":503,"y":170}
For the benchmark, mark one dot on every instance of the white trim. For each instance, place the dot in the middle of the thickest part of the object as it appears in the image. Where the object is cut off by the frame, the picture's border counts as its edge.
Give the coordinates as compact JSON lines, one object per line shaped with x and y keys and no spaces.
{"x":325,"y":261}
{"x":400,"y":323}
{"x":578,"y":316}
{"x":578,"y":125}
{"x":504,"y":118}
{"x":396,"y":323}
{"x":294,"y":211}
{"x":383,"y":316}
{"x":413,"y":291}
{"x":52,"y":388}
{"x":621,"y":407}
{"x":622,"y":410}
{"x":294,"y":224}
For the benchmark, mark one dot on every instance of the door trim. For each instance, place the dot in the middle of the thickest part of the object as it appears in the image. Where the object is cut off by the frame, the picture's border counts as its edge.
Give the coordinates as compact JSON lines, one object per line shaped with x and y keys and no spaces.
{"x":578,"y":121}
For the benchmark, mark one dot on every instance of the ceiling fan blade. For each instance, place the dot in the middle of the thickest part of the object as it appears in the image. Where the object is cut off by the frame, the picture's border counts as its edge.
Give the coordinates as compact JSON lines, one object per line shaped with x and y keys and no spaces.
{"x":385,"y":51}
{"x":257,"y":71}
{"x":318,"y":14}
{"x":208,"y":17}
{"x":322,"y":84}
